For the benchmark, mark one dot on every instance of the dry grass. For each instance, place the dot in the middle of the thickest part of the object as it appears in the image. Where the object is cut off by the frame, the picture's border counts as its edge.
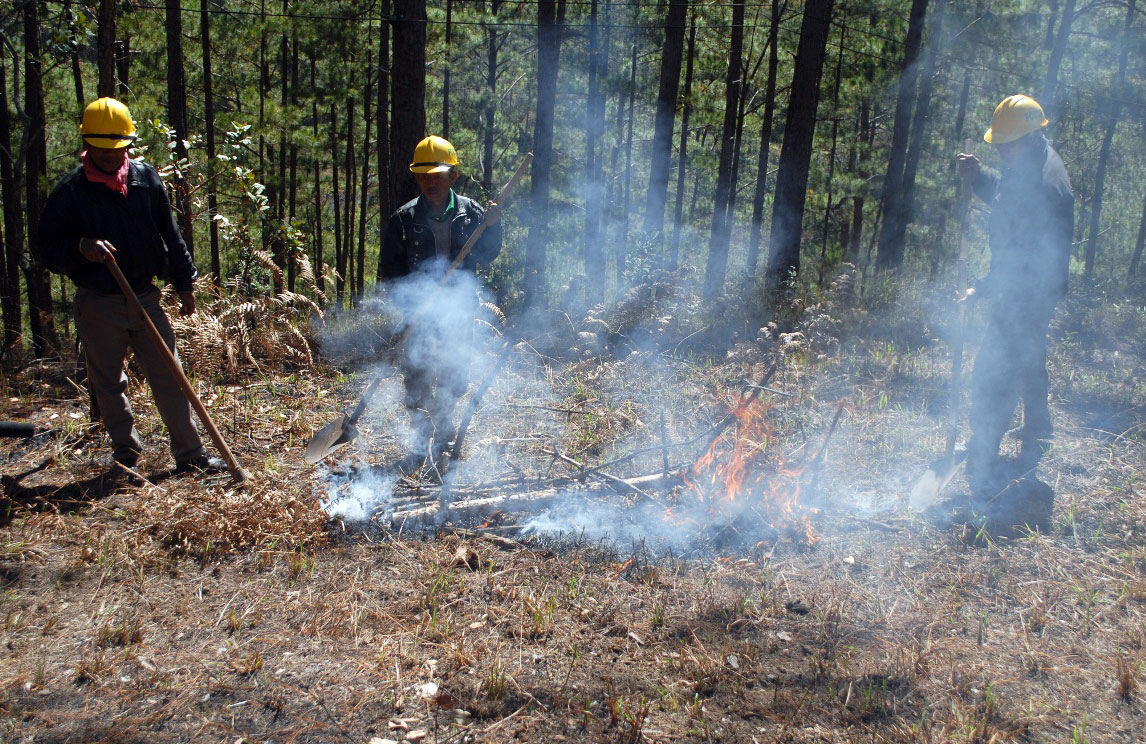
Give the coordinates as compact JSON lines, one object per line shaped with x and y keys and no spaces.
{"x":190,"y":611}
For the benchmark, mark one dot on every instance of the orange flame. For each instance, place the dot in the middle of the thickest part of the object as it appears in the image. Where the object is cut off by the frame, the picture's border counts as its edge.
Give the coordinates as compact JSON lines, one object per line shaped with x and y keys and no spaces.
{"x":742,"y":468}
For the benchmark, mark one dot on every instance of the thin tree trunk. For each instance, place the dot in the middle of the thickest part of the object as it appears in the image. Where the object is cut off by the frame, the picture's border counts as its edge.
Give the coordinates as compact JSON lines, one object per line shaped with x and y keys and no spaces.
{"x":1112,"y":111}
{"x":623,"y":237}
{"x":446,"y":74}
{"x":1050,"y":82}
{"x":364,"y":182}
{"x":594,"y":131}
{"x":177,"y":116}
{"x":123,"y":65}
{"x":383,"y":137}
{"x":13,"y":225}
{"x":74,"y":55}
{"x":733,"y":83}
{"x":319,"y":265}
{"x":349,"y":208}
{"x":549,"y":19}
{"x":408,"y":91}
{"x":832,"y":153}
{"x":339,"y":258}
{"x":35,"y":171}
{"x":105,"y":48}
{"x":682,"y":160}
{"x":660,"y":158}
{"x":765,"y":142}
{"x":292,"y":267}
{"x":209,"y":127}
{"x":491,"y":52}
{"x":893,"y":200}
{"x":796,"y":150}
{"x":282,"y":260}
{"x":922,"y":117}
{"x":1140,"y":244}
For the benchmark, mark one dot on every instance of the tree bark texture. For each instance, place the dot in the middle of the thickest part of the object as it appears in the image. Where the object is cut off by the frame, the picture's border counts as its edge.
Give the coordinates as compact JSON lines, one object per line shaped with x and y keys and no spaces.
{"x":177,"y":114}
{"x":721,"y":219}
{"x":209,"y":137}
{"x":682,"y":158}
{"x":35,"y":171}
{"x":796,"y":150}
{"x":660,"y":158}
{"x":13,"y":226}
{"x":548,"y":61}
{"x":594,"y":187}
{"x":105,"y":48}
{"x":408,"y":94}
{"x":382,"y":122}
{"x":1050,"y":83}
{"x":895,"y":212}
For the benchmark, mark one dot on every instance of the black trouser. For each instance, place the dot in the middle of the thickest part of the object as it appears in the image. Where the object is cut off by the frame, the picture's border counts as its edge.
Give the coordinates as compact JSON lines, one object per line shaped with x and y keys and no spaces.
{"x":1011,"y":366}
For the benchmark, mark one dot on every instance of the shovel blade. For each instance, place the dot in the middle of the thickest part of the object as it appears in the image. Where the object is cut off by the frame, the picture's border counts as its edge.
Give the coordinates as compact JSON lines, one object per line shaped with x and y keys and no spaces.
{"x":925,"y":493}
{"x":338,"y":433}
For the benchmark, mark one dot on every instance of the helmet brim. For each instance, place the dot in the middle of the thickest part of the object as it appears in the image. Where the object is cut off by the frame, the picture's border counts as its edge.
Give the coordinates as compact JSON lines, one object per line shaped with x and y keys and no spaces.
{"x":431,"y":168}
{"x":108,"y":143}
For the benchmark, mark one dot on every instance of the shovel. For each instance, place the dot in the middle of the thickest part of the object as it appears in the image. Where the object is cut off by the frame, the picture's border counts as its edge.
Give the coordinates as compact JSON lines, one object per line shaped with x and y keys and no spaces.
{"x":342,"y":430}
{"x":925,"y":492}
{"x":238,"y":475}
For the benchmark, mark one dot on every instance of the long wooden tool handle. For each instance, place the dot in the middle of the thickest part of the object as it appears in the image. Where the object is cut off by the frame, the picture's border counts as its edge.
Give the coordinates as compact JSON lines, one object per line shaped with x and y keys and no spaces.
{"x":501,"y":197}
{"x":960,"y":315}
{"x":237,"y":472}
{"x":505,"y":193}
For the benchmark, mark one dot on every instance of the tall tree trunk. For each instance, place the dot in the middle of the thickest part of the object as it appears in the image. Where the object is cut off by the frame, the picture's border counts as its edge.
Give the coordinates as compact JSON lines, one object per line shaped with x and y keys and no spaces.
{"x":832,"y":153}
{"x":796,"y":150}
{"x":339,"y":258}
{"x":319,"y":266}
{"x":292,"y":265}
{"x":733,"y":84}
{"x":765,"y":141}
{"x":682,"y":160}
{"x":349,"y":209}
{"x":1139,"y":244}
{"x":177,"y":115}
{"x":1050,"y":82}
{"x":123,"y":65}
{"x":491,"y":52}
{"x":283,"y":261}
{"x":863,"y":145}
{"x":594,"y":187}
{"x":893,"y":199}
{"x":383,"y":124}
{"x":209,"y":127}
{"x":35,"y":171}
{"x":660,"y":158}
{"x":549,"y":18}
{"x":1111,"y":109}
{"x":408,"y":91}
{"x":364,"y":182}
{"x":623,"y":228}
{"x":105,"y":48}
{"x":922,"y":115}
{"x":74,"y":55}
{"x":13,"y":225}
{"x":446,"y":74}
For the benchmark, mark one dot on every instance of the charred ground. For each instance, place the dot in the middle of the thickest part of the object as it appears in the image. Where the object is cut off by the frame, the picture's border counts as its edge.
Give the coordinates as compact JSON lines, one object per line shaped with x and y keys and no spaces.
{"x":185,"y":610}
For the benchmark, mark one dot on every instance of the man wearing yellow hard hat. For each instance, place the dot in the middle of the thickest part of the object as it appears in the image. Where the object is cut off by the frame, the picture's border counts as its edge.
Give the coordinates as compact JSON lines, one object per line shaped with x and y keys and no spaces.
{"x":426,"y":235}
{"x":114,"y":208}
{"x":1030,"y":229}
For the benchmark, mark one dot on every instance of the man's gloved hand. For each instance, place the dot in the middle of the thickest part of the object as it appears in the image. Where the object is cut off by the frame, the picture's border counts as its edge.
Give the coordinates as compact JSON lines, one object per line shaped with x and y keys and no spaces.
{"x":968,"y":166}
{"x":186,"y":303}
{"x":96,"y":250}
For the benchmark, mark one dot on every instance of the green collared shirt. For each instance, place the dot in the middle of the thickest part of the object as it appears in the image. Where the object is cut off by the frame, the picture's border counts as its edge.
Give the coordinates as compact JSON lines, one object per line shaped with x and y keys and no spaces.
{"x":446,"y":215}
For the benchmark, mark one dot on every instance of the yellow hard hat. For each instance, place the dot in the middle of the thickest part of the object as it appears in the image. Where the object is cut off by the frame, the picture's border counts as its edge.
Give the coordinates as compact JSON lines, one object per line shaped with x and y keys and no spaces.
{"x":434,"y":155}
{"x":107,"y":123}
{"x":1014,"y":118}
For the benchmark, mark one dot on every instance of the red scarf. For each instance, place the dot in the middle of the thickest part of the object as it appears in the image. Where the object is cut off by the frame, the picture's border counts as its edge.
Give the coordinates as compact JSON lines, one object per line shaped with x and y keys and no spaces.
{"x":115,"y":181}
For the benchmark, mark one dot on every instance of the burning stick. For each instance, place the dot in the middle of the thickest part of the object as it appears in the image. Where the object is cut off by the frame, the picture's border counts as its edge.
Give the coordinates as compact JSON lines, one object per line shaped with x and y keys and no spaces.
{"x":618,"y":485}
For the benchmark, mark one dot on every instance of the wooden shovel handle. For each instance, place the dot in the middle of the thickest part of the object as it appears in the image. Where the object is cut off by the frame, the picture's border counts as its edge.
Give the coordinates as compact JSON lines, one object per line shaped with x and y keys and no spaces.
{"x":238,"y":474}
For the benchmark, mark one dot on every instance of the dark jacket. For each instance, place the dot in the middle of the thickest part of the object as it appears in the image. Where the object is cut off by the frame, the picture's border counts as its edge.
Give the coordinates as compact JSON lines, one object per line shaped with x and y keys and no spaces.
{"x":1030,"y":229}
{"x":410,"y":241}
{"x":140,"y":226}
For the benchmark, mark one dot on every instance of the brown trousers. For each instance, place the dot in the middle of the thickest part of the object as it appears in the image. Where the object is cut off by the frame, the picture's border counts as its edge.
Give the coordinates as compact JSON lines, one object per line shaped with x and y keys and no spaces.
{"x":108,"y":327}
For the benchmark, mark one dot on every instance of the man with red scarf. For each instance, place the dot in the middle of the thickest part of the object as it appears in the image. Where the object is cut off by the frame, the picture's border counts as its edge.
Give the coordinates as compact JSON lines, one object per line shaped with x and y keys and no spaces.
{"x":113,"y":207}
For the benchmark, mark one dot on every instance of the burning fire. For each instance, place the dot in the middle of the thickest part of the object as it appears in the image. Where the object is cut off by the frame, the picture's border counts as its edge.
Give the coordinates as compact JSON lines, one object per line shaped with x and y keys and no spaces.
{"x":742,"y":470}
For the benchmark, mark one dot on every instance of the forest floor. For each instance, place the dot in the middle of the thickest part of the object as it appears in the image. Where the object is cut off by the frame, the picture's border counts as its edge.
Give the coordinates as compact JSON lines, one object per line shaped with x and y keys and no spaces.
{"x":810,"y":606}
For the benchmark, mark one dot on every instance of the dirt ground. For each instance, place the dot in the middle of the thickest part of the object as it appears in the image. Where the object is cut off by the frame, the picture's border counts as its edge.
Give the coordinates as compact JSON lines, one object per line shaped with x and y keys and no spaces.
{"x":187,"y":610}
